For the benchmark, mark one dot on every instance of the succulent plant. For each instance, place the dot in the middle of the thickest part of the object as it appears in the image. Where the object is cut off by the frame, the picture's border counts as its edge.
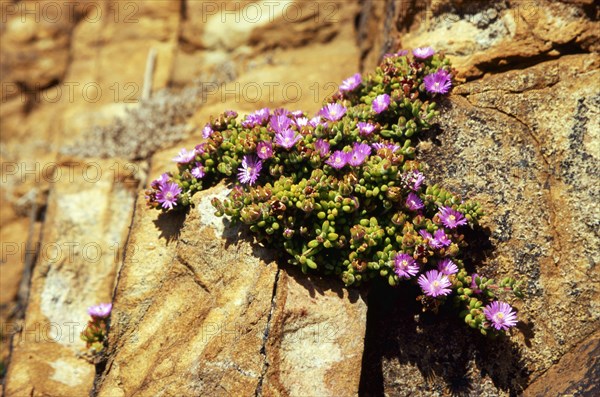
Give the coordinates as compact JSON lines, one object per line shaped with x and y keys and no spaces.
{"x":342,"y":194}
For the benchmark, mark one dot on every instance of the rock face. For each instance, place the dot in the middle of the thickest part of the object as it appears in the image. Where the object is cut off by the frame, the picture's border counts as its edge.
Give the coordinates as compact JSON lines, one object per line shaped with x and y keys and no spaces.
{"x":215,"y":316}
{"x":89,"y":212}
{"x":197,"y":309}
{"x":481,"y":37}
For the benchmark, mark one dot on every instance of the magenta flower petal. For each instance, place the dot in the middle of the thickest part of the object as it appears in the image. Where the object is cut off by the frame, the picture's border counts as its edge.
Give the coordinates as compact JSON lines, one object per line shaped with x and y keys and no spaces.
{"x":351,"y":83}
{"x":439,"y":82}
{"x":500,"y":315}
{"x":264,"y":150}
{"x":423,"y":52}
{"x":434,"y":284}
{"x":413,"y":202}
{"x":405,"y":266}
{"x":447,"y":267}
{"x":338,"y":159}
{"x":333,"y":111}
{"x":198,"y":171}
{"x":167,"y":195}
{"x":451,"y":218}
{"x":184,"y":156}
{"x":381,"y":103}
{"x":250,"y":169}
{"x":287,"y":138}
{"x":101,"y":310}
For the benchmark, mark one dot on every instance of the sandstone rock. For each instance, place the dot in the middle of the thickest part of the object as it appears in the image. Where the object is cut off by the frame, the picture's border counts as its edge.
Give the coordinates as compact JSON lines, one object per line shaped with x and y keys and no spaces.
{"x":482,"y":37}
{"x":194,"y":308}
{"x":575,"y":374}
{"x":89,"y":211}
{"x":316,"y":338}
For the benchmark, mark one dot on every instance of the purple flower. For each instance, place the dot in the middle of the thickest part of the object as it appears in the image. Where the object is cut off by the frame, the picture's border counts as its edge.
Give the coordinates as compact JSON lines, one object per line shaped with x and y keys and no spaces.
{"x":230,"y":114}
{"x":101,"y":310}
{"x":433,"y":243}
{"x":333,"y":111}
{"x":447,"y":267}
{"x":405,"y":266}
{"x":359,"y":153}
{"x":338,"y":159}
{"x":442,"y":238}
{"x":207,"y":131}
{"x":198,"y":171}
{"x":287,"y":138}
{"x":381,"y":145}
{"x":423,"y":52}
{"x":414,"y":179}
{"x":322,"y":147}
{"x":259,"y":117}
{"x":316,"y":121}
{"x":280,"y":123}
{"x":264,"y":150}
{"x":434,"y":283}
{"x":365,"y":129}
{"x":160,"y":181}
{"x":301,"y":122}
{"x":474,"y":286}
{"x":297,"y":113}
{"x":351,"y":83}
{"x":381,"y":103}
{"x":413,"y":202}
{"x":167,"y":195}
{"x":451,"y":218}
{"x":250,"y":169}
{"x":439,"y":82}
{"x":200,"y":148}
{"x":501,"y":315}
{"x":400,"y":53}
{"x":281,"y":112}
{"x":184,"y":156}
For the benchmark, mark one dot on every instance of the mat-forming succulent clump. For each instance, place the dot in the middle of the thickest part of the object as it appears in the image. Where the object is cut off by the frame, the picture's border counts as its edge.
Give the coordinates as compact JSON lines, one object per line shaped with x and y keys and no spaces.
{"x":341,"y":192}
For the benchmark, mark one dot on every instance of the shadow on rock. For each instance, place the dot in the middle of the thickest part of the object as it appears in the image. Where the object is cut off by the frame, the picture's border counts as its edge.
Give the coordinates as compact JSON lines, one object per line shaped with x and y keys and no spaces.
{"x":170,"y":224}
{"x":451,"y":357}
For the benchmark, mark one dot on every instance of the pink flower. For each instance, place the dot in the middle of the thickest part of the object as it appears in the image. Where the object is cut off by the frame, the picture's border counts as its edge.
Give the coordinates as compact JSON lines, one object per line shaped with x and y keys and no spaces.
{"x":451,"y":218}
{"x":333,"y":111}
{"x":338,"y":159}
{"x":101,"y":310}
{"x":365,"y":129}
{"x":287,"y":138}
{"x":184,"y":156}
{"x":442,"y":238}
{"x":381,"y":103}
{"x":423,"y":52}
{"x":250,"y":169}
{"x":413,"y":202}
{"x":447,"y":267}
{"x":351,"y":83}
{"x":439,"y":82}
{"x":167,"y":195}
{"x":433,"y":283}
{"x":264,"y":150}
{"x":501,"y":315}
{"x":405,"y":266}
{"x":198,"y":171}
